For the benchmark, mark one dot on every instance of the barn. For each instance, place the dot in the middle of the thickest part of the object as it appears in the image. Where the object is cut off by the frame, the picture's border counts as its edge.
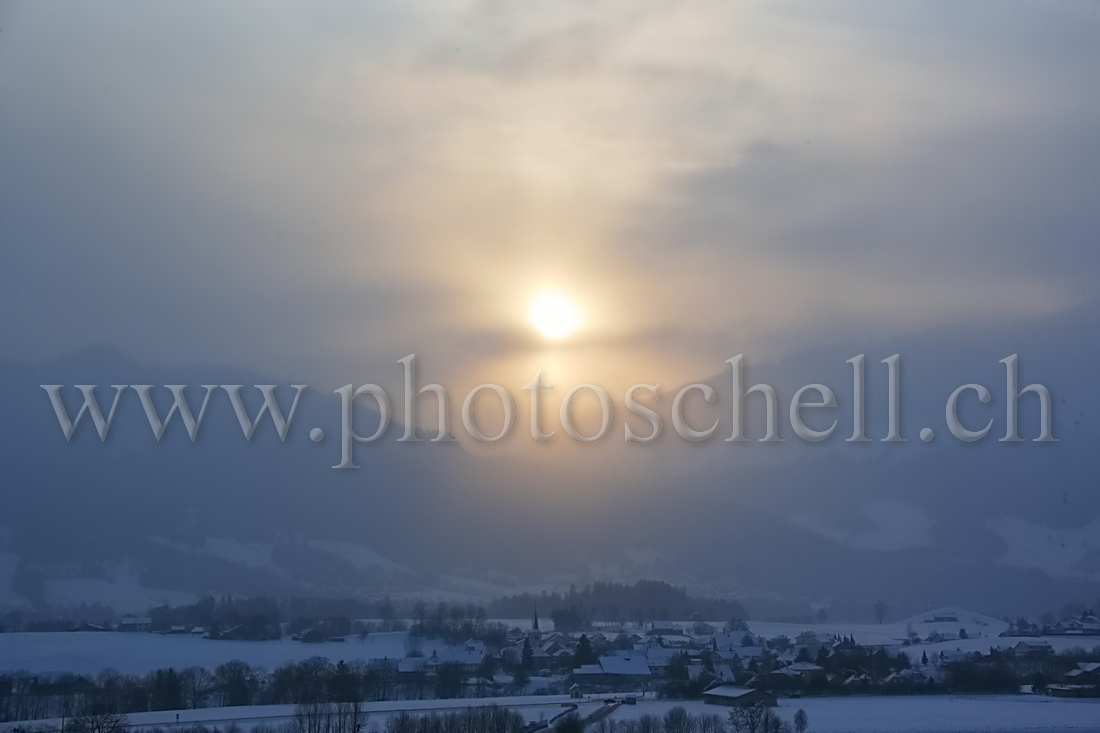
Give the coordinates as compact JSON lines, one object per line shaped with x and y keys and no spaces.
{"x":740,"y":697}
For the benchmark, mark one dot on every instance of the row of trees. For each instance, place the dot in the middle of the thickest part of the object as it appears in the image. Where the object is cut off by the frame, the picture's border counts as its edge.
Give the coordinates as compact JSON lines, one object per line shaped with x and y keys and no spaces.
{"x":758,"y":719}
{"x":227,"y":610}
{"x":641,"y":602}
{"x":455,"y":623}
{"x":489,"y":719}
{"x":476,"y":720}
{"x":315,"y":681}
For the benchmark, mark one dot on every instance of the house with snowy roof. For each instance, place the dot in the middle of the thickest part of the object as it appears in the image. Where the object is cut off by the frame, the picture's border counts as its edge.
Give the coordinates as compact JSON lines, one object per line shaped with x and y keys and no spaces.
{"x":742,"y":697}
{"x":614,"y":669}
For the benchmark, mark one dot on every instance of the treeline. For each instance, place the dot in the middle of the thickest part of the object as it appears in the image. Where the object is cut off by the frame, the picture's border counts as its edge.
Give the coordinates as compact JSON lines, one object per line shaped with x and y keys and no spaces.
{"x":487,"y":719}
{"x":314,"y":681}
{"x":261,"y":617}
{"x":677,"y":719}
{"x":346,"y":718}
{"x":455,"y":623}
{"x":452,"y":622}
{"x":56,"y":619}
{"x":476,"y":720}
{"x":222,"y":611}
{"x":333,"y":615}
{"x":642,"y":602}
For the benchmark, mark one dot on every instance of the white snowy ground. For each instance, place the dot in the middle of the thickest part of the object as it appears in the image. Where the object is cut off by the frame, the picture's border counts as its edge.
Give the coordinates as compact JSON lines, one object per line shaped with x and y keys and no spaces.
{"x":543,"y":707}
{"x":90,"y":652}
{"x":132,"y":653}
{"x":976,"y":624}
{"x":916,"y":713}
{"x":909,"y":714}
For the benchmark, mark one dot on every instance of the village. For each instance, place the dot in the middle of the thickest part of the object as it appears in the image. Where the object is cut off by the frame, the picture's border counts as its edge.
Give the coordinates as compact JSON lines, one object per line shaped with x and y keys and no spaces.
{"x":736,"y":665}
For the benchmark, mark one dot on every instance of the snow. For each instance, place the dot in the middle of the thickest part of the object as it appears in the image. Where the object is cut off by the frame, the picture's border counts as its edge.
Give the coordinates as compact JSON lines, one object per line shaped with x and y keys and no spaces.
{"x":534,"y":707}
{"x":1058,"y":643}
{"x":132,"y":653}
{"x":908,"y":714}
{"x":914,"y":713}
{"x":891,"y":633}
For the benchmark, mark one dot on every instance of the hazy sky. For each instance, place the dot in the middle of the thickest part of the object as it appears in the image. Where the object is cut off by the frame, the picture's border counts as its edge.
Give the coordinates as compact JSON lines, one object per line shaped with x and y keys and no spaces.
{"x":315,"y":190}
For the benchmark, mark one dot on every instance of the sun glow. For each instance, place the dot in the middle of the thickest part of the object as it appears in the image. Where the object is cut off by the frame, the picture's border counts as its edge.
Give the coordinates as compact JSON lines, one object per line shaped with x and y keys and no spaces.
{"x":554,"y":315}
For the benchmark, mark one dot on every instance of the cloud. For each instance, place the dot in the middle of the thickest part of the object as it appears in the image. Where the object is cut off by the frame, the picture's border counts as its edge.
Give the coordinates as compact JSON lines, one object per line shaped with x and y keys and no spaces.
{"x":316,"y":186}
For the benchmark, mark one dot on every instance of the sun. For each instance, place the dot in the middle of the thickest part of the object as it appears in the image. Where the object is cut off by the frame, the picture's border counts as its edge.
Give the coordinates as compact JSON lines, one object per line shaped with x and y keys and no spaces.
{"x":554,"y":315}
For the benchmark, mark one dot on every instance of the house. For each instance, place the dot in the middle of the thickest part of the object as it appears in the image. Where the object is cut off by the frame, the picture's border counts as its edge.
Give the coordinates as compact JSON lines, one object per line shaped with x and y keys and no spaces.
{"x":135,"y":623}
{"x":408,"y":667}
{"x":625,"y":666}
{"x":309,"y":636}
{"x":1031,"y":649}
{"x":252,"y":631}
{"x":1083,"y":681}
{"x":794,"y":675}
{"x":469,"y":657}
{"x":950,"y":656}
{"x":806,"y":671}
{"x":658,"y":657}
{"x":809,"y":641}
{"x":852,"y":680}
{"x":616,"y":669}
{"x":904,"y":677}
{"x":739,"y":697}
{"x":1086,"y":673}
{"x":745,"y":652}
{"x":728,"y":640}
{"x":721,"y":672}
{"x":664,"y":629}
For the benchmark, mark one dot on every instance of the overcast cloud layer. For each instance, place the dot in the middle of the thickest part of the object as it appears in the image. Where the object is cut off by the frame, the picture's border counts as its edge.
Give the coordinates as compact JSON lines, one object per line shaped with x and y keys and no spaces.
{"x":318,"y":190}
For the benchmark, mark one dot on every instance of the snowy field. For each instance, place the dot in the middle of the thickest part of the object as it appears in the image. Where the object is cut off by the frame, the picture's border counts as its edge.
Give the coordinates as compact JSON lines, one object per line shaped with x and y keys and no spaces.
{"x":132,"y":653}
{"x":975,"y":624}
{"x":916,"y":714}
{"x":909,"y":714}
{"x":90,"y":652}
{"x":533,"y":708}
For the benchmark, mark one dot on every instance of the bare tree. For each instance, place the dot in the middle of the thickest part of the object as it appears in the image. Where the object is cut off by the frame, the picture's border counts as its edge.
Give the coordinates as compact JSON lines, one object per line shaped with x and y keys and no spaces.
{"x":711,"y":724}
{"x":100,"y":723}
{"x":801,"y":721}
{"x":569,"y":724}
{"x":318,"y":717}
{"x":346,"y":717}
{"x":757,"y":719}
{"x":311,"y":717}
{"x":678,"y":720}
{"x":881,"y":609}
